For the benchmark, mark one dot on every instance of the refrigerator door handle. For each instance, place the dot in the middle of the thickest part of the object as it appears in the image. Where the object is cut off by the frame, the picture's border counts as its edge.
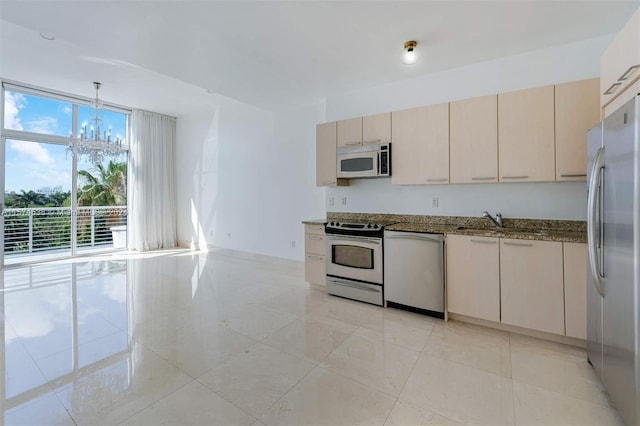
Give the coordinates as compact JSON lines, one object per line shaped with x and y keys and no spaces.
{"x":592,"y":226}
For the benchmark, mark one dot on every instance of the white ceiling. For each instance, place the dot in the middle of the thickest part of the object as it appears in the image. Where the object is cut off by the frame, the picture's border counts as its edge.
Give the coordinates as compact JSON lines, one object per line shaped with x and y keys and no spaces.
{"x":162,"y":55}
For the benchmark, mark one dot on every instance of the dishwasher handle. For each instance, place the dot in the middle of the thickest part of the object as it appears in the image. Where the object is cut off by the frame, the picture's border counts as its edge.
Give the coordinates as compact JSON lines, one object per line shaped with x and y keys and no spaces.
{"x":412,"y":236}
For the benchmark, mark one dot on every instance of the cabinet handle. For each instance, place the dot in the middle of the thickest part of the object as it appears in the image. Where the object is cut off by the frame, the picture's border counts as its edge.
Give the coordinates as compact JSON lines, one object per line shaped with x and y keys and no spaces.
{"x":438,"y":180}
{"x":625,"y":75}
{"x":507,"y":243}
{"x":375,"y":141}
{"x":313,"y":257}
{"x":352,"y":143}
{"x":573,"y":175}
{"x":329,"y":182}
{"x":315,"y":238}
{"x":515,"y":177}
{"x":483,"y":178}
{"x":483,"y":241}
{"x":612,"y":89}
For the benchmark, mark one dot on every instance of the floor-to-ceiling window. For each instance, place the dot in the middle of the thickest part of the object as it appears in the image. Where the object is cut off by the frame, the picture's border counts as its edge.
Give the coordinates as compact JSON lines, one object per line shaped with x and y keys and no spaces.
{"x":56,"y":203}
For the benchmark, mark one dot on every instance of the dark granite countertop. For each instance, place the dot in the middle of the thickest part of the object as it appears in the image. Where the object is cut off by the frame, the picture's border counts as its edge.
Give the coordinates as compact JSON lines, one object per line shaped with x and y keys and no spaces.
{"x":525,"y":229}
{"x":315,"y":222}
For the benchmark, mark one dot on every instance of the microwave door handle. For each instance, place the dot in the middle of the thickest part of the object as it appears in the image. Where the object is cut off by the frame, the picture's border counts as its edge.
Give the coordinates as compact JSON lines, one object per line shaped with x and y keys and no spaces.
{"x":377,"y":166}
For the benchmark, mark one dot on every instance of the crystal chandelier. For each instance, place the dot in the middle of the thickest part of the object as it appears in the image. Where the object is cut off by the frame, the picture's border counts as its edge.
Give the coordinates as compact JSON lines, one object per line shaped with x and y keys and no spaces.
{"x":95,"y":143}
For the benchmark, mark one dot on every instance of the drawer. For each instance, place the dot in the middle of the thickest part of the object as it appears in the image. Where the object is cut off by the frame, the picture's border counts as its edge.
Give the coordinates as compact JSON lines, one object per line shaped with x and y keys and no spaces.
{"x":315,"y":269}
{"x":314,"y":244}
{"x":314,"y":229}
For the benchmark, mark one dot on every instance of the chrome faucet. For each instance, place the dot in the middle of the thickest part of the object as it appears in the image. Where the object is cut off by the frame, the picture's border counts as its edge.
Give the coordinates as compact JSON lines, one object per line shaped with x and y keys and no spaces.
{"x":497,"y":221}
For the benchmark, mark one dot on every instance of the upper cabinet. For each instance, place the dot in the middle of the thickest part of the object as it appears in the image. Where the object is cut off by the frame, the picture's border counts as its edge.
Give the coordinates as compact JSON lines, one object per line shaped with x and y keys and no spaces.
{"x":474,"y":140}
{"x":420,"y":152}
{"x":620,"y":67}
{"x":376,"y":128}
{"x":350,"y":132}
{"x":577,"y":110}
{"x":526,"y":135}
{"x":326,"y":156}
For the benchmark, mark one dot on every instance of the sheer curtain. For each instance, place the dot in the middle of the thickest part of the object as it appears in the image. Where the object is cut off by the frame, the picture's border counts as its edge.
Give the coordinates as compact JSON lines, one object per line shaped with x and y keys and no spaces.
{"x":152,"y":182}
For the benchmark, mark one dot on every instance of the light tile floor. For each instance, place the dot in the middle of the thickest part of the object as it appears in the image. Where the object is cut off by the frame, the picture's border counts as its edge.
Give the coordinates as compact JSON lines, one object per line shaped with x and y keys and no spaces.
{"x":228,"y":338}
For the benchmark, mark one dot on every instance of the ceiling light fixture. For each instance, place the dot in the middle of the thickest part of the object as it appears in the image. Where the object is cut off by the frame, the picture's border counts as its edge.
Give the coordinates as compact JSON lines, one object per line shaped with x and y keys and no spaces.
{"x":410,"y":56}
{"x":47,"y":37}
{"x":90,"y":143}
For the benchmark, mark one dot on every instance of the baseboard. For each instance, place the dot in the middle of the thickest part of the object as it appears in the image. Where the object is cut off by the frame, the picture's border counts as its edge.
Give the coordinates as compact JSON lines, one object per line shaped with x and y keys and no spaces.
{"x":520,"y":330}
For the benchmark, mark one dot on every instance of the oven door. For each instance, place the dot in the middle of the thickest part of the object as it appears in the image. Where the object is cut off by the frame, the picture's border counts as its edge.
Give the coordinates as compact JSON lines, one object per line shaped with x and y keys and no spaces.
{"x":357,"y":258}
{"x":358,"y":164}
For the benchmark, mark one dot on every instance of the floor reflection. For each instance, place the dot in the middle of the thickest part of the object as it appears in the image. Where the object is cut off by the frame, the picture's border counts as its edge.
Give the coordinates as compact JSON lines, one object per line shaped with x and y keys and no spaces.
{"x":60,"y":322}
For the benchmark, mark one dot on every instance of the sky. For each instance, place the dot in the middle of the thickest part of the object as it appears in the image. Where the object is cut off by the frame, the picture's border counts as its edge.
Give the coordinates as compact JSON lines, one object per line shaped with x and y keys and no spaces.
{"x":33,"y":165}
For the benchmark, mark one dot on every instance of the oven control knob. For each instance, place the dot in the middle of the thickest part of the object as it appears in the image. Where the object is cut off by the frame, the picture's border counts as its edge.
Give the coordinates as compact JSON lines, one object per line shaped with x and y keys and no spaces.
{"x":337,"y":223}
{"x":369,"y":226}
{"x":331,"y":223}
{"x":375,"y":226}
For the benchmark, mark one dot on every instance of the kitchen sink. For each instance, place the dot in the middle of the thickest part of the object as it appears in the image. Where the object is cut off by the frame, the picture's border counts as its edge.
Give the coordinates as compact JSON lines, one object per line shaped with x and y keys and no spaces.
{"x":502,"y":231}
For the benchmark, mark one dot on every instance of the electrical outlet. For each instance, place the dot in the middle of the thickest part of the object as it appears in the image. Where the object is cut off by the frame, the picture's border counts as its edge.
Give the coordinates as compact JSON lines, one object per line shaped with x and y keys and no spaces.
{"x":344,"y":201}
{"x":434,"y":202}
{"x":331,"y":201}
{"x":293,"y":244}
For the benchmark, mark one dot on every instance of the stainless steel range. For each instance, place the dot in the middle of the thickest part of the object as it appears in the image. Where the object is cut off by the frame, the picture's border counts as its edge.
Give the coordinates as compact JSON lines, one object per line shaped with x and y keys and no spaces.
{"x":354,"y":261}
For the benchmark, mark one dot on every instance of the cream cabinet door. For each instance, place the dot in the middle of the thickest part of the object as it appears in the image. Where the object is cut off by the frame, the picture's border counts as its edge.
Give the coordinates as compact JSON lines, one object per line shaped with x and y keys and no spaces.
{"x":376,"y":128}
{"x":474,"y":140}
{"x":531,"y":285}
{"x":620,"y":64}
{"x":350,"y":132}
{"x":314,"y":259}
{"x":420,"y":153}
{"x":326,"y":168}
{"x":473,"y":276}
{"x":577,"y":110}
{"x":526,"y":141}
{"x":575,"y":290}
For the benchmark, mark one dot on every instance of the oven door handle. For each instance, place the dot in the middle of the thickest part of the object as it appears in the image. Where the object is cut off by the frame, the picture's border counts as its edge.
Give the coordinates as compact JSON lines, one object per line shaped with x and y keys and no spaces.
{"x":372,"y":240}
{"x":353,"y":285}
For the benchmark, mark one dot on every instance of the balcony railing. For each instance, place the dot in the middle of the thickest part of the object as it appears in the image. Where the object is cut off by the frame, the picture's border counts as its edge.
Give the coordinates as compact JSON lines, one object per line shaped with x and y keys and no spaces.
{"x":33,"y":230}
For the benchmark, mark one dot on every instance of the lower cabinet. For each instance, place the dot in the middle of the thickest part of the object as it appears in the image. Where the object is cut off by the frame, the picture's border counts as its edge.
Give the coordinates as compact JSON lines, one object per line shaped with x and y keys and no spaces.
{"x":473,"y":276}
{"x":531,"y":284}
{"x":575,"y":290}
{"x":539,"y":285}
{"x":314,"y":259}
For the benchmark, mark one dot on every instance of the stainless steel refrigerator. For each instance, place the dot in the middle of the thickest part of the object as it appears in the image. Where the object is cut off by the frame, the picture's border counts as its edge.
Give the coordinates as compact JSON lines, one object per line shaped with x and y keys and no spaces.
{"x":613,"y":227}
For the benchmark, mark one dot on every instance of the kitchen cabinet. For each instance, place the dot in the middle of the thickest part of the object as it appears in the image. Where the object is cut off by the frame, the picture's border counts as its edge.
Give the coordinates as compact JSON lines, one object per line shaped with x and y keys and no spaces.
{"x":575,"y":290}
{"x":315,"y":254}
{"x":350,"y":132}
{"x":526,"y":135}
{"x":531,"y":285}
{"x":474,"y":140}
{"x":376,"y":128}
{"x":420,"y":153}
{"x":326,"y":167}
{"x":473,"y":276}
{"x":577,"y":110}
{"x":620,"y":67}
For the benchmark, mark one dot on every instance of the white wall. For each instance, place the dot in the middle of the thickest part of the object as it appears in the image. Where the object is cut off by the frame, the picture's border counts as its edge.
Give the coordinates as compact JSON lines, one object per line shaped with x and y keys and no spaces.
{"x":246,"y":178}
{"x":558,"y":64}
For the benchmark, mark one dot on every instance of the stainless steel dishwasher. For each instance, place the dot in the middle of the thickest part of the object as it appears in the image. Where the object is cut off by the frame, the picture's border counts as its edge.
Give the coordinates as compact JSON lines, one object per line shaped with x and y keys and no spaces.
{"x":414,"y":272}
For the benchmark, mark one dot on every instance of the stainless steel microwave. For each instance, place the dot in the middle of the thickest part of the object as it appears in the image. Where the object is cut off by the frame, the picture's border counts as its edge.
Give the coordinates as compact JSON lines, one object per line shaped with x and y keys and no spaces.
{"x":368,"y":161}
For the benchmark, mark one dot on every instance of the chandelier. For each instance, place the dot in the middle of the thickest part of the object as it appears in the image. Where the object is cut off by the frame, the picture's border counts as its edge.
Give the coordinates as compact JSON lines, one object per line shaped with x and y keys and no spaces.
{"x":95,"y":143}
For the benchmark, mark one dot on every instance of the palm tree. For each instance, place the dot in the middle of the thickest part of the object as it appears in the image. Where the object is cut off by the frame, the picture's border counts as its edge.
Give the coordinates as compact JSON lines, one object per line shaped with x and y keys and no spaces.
{"x":106,"y":188}
{"x":29,"y":199}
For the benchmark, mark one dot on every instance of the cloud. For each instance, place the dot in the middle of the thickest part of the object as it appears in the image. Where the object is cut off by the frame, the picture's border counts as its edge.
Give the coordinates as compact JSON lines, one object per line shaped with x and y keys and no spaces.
{"x":35,"y":151}
{"x":67,"y":110}
{"x":46,"y":125}
{"x":13,"y":103}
